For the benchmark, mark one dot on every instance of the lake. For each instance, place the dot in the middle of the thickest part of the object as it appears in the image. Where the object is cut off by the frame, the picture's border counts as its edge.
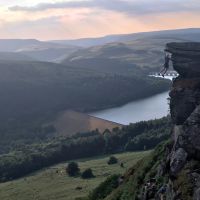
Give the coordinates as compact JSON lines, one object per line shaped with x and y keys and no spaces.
{"x":153,"y":107}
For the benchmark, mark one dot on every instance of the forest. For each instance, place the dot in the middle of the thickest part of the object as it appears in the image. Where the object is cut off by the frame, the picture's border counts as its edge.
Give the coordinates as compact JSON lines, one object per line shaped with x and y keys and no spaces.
{"x":28,"y":158}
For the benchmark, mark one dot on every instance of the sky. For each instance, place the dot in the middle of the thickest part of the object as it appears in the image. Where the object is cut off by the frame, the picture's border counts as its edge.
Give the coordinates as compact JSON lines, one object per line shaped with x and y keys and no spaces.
{"x":70,"y":19}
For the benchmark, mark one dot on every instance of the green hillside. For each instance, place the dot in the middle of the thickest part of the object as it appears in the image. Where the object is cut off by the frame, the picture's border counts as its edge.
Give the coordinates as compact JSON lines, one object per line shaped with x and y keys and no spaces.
{"x":53,"y":183}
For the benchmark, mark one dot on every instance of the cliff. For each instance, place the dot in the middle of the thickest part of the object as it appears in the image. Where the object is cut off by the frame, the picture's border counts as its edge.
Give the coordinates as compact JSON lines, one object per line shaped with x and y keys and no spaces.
{"x":172,"y":172}
{"x":180,"y":164}
{"x":185,"y":113}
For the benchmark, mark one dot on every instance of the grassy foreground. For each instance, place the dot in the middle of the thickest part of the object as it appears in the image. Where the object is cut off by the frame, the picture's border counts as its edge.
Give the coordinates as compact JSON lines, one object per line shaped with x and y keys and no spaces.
{"x":53,"y":183}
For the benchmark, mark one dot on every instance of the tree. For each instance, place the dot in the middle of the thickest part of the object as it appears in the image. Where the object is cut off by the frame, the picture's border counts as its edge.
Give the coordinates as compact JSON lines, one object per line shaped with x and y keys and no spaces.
{"x":87,"y":174}
{"x":72,"y":169}
{"x":112,"y":160}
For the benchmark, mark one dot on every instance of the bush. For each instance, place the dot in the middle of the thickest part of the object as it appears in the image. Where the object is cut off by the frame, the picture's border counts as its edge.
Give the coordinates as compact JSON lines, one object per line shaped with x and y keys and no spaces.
{"x":105,"y":188}
{"x":72,"y":169}
{"x":87,"y":174}
{"x":112,"y":160}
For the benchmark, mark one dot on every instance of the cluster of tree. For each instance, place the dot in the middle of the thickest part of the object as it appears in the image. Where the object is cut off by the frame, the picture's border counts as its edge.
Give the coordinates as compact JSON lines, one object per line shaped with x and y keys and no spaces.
{"x":112,"y":160}
{"x":74,"y":170}
{"x":36,"y":156}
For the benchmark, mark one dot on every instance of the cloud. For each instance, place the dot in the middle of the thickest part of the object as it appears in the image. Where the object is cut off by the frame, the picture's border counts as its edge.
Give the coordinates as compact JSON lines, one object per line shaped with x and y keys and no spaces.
{"x":62,"y":27}
{"x":130,"y":7}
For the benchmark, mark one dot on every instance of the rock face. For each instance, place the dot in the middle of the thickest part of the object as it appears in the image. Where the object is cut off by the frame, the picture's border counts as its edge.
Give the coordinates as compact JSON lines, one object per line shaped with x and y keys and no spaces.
{"x":178,"y":170}
{"x":186,"y":58}
{"x":185,"y":113}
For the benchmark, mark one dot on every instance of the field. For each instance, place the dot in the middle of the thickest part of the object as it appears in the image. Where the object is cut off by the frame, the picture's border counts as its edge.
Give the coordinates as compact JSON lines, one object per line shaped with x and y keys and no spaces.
{"x":71,"y":122}
{"x":53,"y":183}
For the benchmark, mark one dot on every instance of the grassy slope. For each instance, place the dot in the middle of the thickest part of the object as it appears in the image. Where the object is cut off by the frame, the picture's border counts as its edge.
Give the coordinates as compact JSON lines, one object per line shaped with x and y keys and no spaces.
{"x":49,"y":185}
{"x":139,"y":174}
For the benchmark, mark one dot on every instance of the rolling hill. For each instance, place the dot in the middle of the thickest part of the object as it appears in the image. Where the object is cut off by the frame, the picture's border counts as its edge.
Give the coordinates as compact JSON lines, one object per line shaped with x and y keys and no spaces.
{"x":184,"y":34}
{"x":37,"y":50}
{"x":141,"y":51}
{"x":14,"y":56}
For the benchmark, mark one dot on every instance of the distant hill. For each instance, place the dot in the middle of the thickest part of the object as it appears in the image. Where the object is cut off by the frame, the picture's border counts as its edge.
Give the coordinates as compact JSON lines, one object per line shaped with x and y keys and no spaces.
{"x":49,"y":54}
{"x":11,"y":45}
{"x":58,"y":50}
{"x":126,"y":52}
{"x":38,"y":50}
{"x":146,"y":54}
{"x":14,"y":56}
{"x":192,"y":34}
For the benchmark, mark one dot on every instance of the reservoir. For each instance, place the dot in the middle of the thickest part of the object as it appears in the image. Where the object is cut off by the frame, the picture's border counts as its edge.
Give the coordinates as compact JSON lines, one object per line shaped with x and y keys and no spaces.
{"x":153,"y":107}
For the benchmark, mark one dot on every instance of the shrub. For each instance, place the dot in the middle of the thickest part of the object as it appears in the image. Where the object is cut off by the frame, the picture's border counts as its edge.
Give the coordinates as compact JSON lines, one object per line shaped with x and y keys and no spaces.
{"x":87,"y":174}
{"x":105,"y":188}
{"x":72,"y":169}
{"x":112,"y":160}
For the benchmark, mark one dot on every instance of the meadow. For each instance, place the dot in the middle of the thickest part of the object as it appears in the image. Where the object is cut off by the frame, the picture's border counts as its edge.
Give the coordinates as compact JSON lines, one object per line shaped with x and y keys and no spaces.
{"x":53,"y":183}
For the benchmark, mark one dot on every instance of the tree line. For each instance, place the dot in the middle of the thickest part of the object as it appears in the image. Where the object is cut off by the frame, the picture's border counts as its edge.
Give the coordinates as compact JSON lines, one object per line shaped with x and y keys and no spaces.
{"x":134,"y":137}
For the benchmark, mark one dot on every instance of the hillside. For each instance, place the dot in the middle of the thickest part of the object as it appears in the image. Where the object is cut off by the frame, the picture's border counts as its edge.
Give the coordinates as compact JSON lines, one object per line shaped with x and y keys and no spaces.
{"x":54,"y":53}
{"x":14,"y":56}
{"x":47,"y":184}
{"x":33,"y":93}
{"x":144,"y":54}
{"x":141,"y":51}
{"x":37,"y":50}
{"x":28,"y":157}
{"x":183,"y":34}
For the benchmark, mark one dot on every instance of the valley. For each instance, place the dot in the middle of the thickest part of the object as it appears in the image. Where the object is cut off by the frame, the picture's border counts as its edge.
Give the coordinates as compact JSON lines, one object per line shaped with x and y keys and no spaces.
{"x":84,"y":100}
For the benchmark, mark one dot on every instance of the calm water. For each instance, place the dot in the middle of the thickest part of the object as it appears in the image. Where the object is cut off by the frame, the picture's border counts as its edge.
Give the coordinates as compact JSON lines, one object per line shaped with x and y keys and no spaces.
{"x":150,"y":108}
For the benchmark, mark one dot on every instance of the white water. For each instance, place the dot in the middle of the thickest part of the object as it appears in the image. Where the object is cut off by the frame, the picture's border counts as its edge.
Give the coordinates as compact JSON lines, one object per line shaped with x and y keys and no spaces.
{"x":165,"y":77}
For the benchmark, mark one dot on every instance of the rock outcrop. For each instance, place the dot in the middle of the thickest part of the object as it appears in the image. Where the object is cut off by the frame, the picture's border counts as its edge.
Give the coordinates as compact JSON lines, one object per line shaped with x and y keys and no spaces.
{"x":186,"y":58}
{"x":185,"y":113}
{"x":179,"y":168}
{"x":172,"y":172}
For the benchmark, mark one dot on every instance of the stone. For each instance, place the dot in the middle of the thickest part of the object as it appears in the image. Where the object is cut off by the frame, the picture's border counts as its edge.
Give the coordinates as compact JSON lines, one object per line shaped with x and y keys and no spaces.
{"x":182,"y":104}
{"x":191,"y":134}
{"x":197,"y":194}
{"x":178,"y":160}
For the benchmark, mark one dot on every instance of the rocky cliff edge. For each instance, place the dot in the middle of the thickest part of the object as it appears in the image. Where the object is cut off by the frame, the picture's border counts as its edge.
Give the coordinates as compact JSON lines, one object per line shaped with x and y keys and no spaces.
{"x":185,"y":114}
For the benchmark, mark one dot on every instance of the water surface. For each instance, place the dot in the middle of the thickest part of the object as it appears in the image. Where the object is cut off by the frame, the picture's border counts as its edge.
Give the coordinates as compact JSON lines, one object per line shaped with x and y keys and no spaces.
{"x":153,"y":107}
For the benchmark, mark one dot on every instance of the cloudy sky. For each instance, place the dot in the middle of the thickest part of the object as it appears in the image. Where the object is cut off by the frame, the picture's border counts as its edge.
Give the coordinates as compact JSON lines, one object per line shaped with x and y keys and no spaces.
{"x":64,"y":19}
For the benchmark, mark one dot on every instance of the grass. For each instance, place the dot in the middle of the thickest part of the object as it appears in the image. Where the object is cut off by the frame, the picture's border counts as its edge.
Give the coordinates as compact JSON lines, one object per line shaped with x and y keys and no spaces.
{"x":53,"y":183}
